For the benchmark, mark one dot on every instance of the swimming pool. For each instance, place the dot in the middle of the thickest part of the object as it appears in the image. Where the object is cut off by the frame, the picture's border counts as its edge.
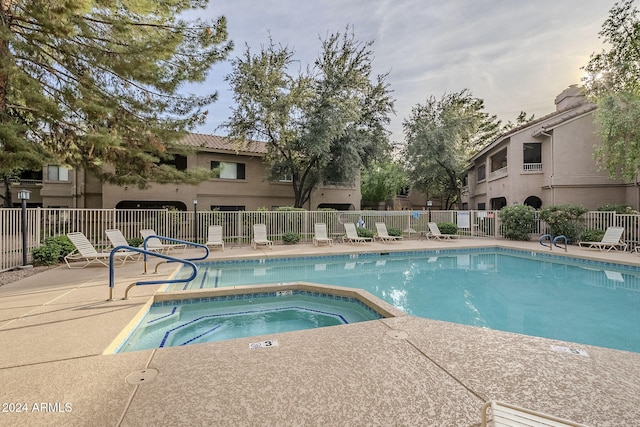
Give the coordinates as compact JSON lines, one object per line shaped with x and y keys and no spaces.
{"x":531,"y":293}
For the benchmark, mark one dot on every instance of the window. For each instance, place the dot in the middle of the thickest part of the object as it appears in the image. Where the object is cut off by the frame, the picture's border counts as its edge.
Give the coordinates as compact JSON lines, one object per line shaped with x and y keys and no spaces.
{"x":499,"y":160}
{"x":178,"y":161}
{"x":532,"y":152}
{"x":227,"y":208}
{"x":286,"y":177}
{"x":532,"y":157}
{"x":482,"y":172}
{"x":227,"y":170}
{"x":57,"y":173}
{"x":481,"y":206}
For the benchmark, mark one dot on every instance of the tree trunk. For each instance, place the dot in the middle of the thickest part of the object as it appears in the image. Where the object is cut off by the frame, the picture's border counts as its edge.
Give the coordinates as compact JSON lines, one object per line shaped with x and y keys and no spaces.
{"x":6,"y":199}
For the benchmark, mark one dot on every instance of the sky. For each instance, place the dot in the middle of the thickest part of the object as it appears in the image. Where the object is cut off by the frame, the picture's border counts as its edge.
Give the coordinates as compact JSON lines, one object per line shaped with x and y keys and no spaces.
{"x":516,"y":55}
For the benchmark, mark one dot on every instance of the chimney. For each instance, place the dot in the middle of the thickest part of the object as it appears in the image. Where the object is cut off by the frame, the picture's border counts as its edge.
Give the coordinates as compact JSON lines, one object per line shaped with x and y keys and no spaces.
{"x":570,"y":97}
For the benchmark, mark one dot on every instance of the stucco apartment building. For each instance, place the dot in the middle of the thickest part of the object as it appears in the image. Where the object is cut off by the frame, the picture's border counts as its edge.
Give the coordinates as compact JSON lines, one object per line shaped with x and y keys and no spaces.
{"x":547,"y":161}
{"x":241,"y":184}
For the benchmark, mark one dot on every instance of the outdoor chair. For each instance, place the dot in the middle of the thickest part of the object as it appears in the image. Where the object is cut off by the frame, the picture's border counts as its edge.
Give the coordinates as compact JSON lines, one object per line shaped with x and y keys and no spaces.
{"x":214,"y":237}
{"x":88,"y":254}
{"x":320,"y":234}
{"x":154,"y":243}
{"x":351,"y":234}
{"x":260,"y":236}
{"x":612,"y":239}
{"x":499,"y":414}
{"x":383,"y":234}
{"x":434,"y":231}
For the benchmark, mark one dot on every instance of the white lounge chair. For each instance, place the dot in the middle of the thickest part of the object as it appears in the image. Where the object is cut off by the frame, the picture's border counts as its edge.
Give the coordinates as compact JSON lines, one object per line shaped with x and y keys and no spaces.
{"x":116,"y":237}
{"x":351,"y":234}
{"x":434,"y":231}
{"x":154,"y":243}
{"x":499,"y":414}
{"x":260,"y":236}
{"x":383,"y":234}
{"x":612,"y":239}
{"x":87,"y":253}
{"x":320,"y":234}
{"x":214,"y":237}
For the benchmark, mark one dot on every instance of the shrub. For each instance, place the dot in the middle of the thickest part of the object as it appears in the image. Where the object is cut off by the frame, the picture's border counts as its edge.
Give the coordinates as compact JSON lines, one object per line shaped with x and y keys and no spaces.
{"x":393,"y":231}
{"x":47,"y":254}
{"x":291,"y":238}
{"x":52,"y":251}
{"x":66,"y":247}
{"x":135,"y":241}
{"x":448,"y":228}
{"x":517,"y":222}
{"x":564,"y":220}
{"x":617,"y":208}
{"x":592,"y":235}
{"x":364,"y":232}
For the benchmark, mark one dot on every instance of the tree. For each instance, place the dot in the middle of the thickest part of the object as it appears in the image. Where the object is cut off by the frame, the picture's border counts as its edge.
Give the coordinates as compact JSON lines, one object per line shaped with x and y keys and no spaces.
{"x":521,"y":120}
{"x":441,"y":135}
{"x":95,"y":84}
{"x":382,"y":180}
{"x":613,"y":84}
{"x":320,"y":124}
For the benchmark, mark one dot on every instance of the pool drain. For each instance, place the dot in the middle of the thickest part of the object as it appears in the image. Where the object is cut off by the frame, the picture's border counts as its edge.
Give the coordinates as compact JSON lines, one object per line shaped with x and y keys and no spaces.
{"x":142,"y":376}
{"x":399,"y":335}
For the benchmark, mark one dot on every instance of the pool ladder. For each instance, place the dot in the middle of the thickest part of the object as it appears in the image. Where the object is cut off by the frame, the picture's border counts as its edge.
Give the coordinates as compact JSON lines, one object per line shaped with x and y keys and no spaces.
{"x":167,"y":258}
{"x":553,"y":241}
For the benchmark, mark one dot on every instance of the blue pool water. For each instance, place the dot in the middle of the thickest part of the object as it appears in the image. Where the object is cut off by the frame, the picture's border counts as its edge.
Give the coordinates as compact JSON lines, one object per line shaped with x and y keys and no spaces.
{"x":534,"y":294}
{"x":209,"y":319}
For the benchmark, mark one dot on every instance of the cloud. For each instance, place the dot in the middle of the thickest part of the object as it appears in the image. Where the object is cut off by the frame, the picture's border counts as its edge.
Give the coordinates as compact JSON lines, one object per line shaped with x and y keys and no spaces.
{"x":517,"y":56}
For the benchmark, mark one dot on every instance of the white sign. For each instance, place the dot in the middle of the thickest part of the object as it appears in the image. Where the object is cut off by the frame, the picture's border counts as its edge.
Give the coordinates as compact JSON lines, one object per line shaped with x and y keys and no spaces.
{"x":263,"y":344}
{"x":464,"y":219}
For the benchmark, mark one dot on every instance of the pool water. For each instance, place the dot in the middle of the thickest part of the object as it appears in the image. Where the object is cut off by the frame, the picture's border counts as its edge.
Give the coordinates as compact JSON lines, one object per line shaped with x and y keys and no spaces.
{"x":534,"y":294}
{"x":192,"y":321}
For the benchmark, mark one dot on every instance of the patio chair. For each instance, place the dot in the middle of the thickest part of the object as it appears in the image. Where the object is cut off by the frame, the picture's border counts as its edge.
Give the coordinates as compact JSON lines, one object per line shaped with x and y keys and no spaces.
{"x":154,"y":243}
{"x":260,"y":236}
{"x":88,"y":254}
{"x":612,"y":239}
{"x":499,"y":414}
{"x":214,"y":237}
{"x":383,"y":234}
{"x":434,"y":231}
{"x":320,"y":234}
{"x":351,"y":234}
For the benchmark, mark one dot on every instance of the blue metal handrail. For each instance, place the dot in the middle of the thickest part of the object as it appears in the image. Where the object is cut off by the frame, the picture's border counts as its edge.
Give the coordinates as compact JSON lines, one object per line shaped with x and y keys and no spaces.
{"x":561,"y":237}
{"x":148,"y":282}
{"x":544,"y":237}
{"x":171,"y":239}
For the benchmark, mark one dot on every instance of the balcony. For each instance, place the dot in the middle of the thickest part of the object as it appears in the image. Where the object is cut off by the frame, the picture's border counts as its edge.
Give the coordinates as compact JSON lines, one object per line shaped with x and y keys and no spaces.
{"x":498,"y":173}
{"x":532,"y":167}
{"x":26,"y":182}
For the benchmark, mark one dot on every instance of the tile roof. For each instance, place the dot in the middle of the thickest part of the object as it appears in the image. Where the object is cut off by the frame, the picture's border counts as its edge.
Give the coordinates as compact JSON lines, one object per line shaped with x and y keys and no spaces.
{"x":223,"y":143}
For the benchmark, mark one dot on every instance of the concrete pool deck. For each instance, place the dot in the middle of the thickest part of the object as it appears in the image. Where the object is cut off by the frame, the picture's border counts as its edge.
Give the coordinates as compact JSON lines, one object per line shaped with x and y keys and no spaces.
{"x":56,"y":325}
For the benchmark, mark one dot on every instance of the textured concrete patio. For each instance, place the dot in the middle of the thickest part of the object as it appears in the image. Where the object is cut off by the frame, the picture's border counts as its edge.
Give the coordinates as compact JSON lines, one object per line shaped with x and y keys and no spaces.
{"x":403,"y":371}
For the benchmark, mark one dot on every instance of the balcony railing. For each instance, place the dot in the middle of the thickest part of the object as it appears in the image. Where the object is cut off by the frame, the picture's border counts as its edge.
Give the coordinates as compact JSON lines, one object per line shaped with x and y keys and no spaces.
{"x":532,"y":167}
{"x":16,"y":181}
{"x":498,"y":173}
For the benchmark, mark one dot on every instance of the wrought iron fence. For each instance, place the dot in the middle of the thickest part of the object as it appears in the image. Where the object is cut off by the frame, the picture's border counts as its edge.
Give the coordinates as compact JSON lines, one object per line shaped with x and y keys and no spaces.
{"x":238,"y":226}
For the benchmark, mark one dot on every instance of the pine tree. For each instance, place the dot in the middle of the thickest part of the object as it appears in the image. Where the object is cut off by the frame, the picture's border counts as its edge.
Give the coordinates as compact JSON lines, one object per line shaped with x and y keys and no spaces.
{"x":95,"y":84}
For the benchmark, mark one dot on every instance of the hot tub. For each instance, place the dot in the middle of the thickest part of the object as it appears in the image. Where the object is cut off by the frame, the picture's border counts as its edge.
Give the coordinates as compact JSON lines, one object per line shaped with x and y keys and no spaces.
{"x":184,"y":318}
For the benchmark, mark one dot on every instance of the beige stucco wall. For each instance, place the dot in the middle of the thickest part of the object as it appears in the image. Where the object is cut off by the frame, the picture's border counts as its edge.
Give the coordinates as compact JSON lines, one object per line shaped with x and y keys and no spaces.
{"x":569,"y":173}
